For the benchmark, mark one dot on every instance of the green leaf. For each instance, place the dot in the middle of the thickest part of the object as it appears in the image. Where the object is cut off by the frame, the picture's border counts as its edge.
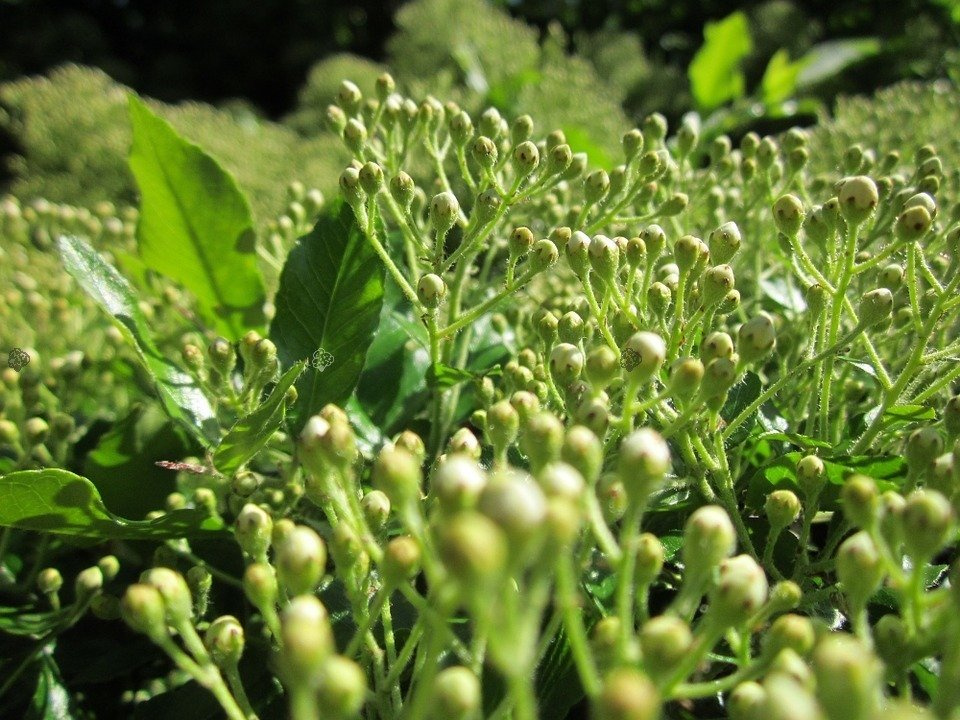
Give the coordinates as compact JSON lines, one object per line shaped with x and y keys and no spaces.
{"x":57,"y":501}
{"x":195,"y":225}
{"x":178,"y":392}
{"x":827,"y":59}
{"x":391,"y":389}
{"x":738,"y":400}
{"x":249,"y":435}
{"x":17,"y":621}
{"x":715,"y":74}
{"x":784,"y":294}
{"x":123,"y":464}
{"x":444,"y":376}
{"x":558,"y":686}
{"x":780,"y":78}
{"x":330,"y":295}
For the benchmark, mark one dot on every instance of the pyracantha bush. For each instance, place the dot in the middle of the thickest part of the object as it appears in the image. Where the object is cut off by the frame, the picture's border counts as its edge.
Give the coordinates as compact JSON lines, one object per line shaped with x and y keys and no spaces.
{"x":670,"y":439}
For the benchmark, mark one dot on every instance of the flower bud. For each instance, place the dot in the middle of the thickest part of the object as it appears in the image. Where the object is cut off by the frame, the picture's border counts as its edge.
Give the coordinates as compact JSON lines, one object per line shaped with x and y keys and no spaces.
{"x":355,"y":135}
{"x":49,"y":581}
{"x":543,"y":255}
{"x":172,"y":587}
{"x":376,"y":509}
{"x":457,"y":482}
{"x":686,"y":252}
{"x":559,"y":159}
{"x":674,"y":205}
{"x":143,"y":610}
{"x":253,"y":531}
{"x":396,"y":472}
{"x":349,"y":96}
{"x":526,"y":158}
{"x":643,"y":354}
{"x":715,"y":284}
{"x":923,"y":447}
{"x":601,"y":367}
{"x":456,"y":694}
{"x":848,"y":678}
{"x":788,"y":215}
{"x":859,"y":568}
{"x":788,"y":698}
{"x":793,"y":632}
{"x":724,"y":242}
{"x":643,"y":463}
{"x":371,"y":178}
{"x":401,"y":561}
{"x":260,"y":585}
{"x":301,"y":559}
{"x":756,"y":338}
{"x":473,"y":548}
{"x":566,"y":362}
{"x":782,"y":508}
{"x":464,"y":442}
{"x":859,"y":497}
{"x":716,"y":345}
{"x":665,"y":641}
{"x":515,"y":503}
{"x":583,"y":450}
{"x":503,"y":425}
{"x":740,"y":591}
{"x":336,"y":119}
{"x":307,"y":640}
{"x":655,"y":240}
{"x":654,"y":128}
{"x":875,"y":306}
{"x":596,"y":186}
{"x":604,"y":256}
{"x":858,"y":198}
{"x":709,"y":537}
{"x":541,"y":439}
{"x":811,"y":476}
{"x":431,"y":291}
{"x":718,"y":377}
{"x":444,"y":209}
{"x":928,"y":524}
{"x":224,"y":640}
{"x":627,"y":694}
{"x":747,"y":701}
{"x":632,"y":143}
{"x":484,"y":151}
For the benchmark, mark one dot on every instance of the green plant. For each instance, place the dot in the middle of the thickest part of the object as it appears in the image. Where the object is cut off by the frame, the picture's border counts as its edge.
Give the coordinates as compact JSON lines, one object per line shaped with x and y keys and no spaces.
{"x":514,"y":433}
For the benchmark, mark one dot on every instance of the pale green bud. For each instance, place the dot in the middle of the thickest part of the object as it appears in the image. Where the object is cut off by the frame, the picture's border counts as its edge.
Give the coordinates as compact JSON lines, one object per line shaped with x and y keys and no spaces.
{"x":788,"y":214}
{"x":396,"y":472}
{"x":175,"y":592}
{"x":740,"y":591}
{"x":709,"y":537}
{"x":928,"y":524}
{"x":307,"y":640}
{"x":371,"y":178}
{"x":260,"y":585}
{"x":583,"y":450}
{"x":401,"y":560}
{"x":515,"y":503}
{"x":431,"y":290}
{"x":716,"y":283}
{"x":473,"y":548}
{"x":859,"y":568}
{"x":643,"y":463}
{"x":143,"y":610}
{"x":566,"y":362}
{"x":301,"y":559}
{"x":665,"y":641}
{"x":724,"y":242}
{"x":485,"y":152}
{"x":627,"y":694}
{"x":541,"y":439}
{"x":747,"y":701}
{"x":848,"y":678}
{"x":859,"y":497}
{"x":782,"y":508}
{"x":643,"y":354}
{"x":875,"y":306}
{"x":224,"y":640}
{"x":858,"y":198}
{"x":444,"y":209}
{"x":756,"y":337}
{"x":254,"y":529}
{"x":526,"y":157}
{"x":376,"y":509}
{"x":456,"y":694}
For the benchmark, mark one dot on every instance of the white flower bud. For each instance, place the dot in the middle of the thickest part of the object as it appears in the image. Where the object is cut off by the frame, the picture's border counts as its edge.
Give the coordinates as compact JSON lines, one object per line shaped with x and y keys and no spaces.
{"x":444,"y":209}
{"x":457,"y":482}
{"x":858,"y":198}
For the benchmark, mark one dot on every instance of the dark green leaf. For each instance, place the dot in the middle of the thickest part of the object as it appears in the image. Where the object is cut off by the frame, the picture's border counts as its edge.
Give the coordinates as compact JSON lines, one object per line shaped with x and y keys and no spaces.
{"x":739,"y":399}
{"x":330,"y":295}
{"x":123,"y":464}
{"x":178,"y":392}
{"x":392,"y":387}
{"x":195,"y":225}
{"x":249,"y":435}
{"x":715,"y":74}
{"x":57,"y":501}
{"x":558,"y":685}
